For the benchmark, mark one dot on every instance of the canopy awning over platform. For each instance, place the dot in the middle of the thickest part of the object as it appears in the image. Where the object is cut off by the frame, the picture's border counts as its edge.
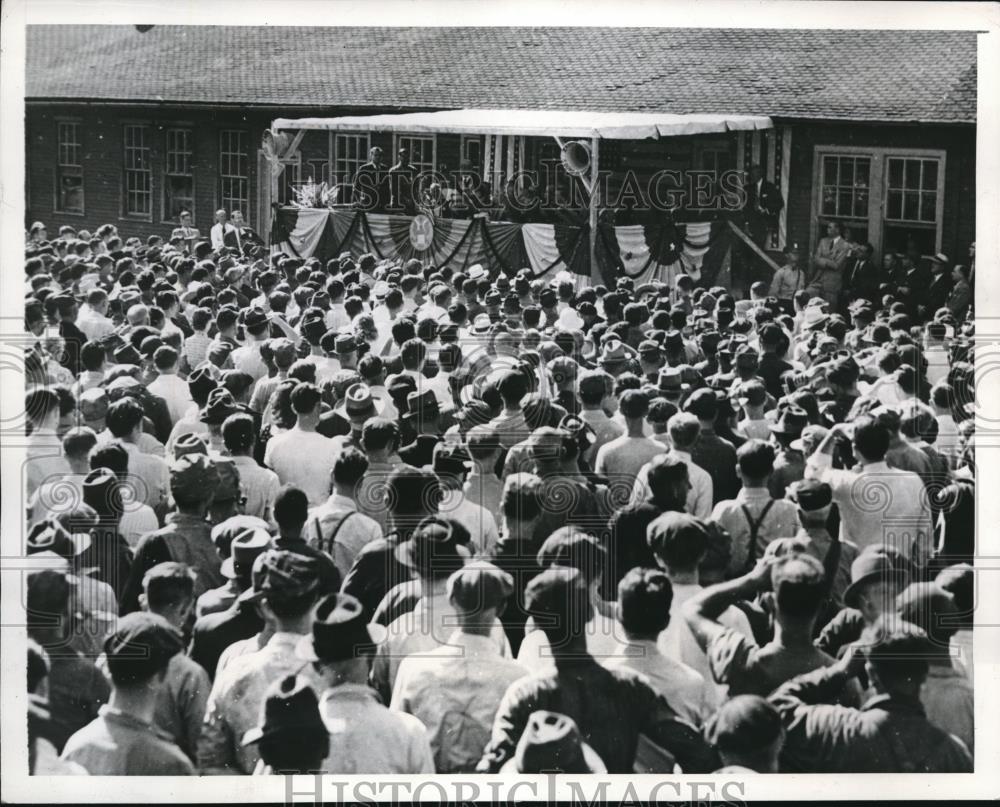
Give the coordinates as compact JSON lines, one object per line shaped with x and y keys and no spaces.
{"x":536,"y":122}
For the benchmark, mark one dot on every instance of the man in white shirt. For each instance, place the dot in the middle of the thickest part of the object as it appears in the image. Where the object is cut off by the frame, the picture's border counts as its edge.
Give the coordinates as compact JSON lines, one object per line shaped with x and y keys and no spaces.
{"x":247,"y":358}
{"x":365,"y":736}
{"x":455,"y":689}
{"x":93,"y":319}
{"x":644,"y":599}
{"x":170,"y":386}
{"x":431,"y":554}
{"x":595,"y":388}
{"x":223,"y":233}
{"x":451,"y":464}
{"x":301,"y":456}
{"x":753,"y":519}
{"x":336,"y":527}
{"x":948,"y":441}
{"x":679,"y":543}
{"x":936,"y":352}
{"x":878,"y":504}
{"x":683,"y":429}
{"x":621,"y":459}
{"x":259,"y":485}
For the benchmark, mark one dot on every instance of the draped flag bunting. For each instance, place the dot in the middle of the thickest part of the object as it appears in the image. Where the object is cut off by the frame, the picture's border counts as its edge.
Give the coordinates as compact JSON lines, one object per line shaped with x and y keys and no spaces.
{"x":658,"y":250}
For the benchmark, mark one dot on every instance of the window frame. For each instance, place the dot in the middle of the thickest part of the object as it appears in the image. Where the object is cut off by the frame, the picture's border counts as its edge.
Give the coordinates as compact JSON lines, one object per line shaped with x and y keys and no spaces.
{"x":146,"y":127}
{"x":480,"y":141}
{"x":57,"y":174}
{"x":221,"y":197}
{"x":397,"y":136}
{"x":878,"y":189}
{"x":178,"y":127}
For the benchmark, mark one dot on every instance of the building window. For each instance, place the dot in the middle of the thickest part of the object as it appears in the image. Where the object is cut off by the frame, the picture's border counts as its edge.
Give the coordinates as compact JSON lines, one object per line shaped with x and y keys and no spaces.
{"x":472,"y":151}
{"x":421,"y":150}
{"x":138,"y":173}
{"x":69,"y":170}
{"x":350,"y":153}
{"x":234,"y":174}
{"x":890,"y":197}
{"x":178,"y":177}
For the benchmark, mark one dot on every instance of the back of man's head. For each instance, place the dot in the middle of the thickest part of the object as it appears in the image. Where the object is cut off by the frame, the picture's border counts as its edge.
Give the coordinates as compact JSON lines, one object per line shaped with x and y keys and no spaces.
{"x":683,"y":429}
{"x":644,"y":600}
{"x":168,"y":588}
{"x":755,"y":459}
{"x":871,"y":438}
{"x":799,"y":586}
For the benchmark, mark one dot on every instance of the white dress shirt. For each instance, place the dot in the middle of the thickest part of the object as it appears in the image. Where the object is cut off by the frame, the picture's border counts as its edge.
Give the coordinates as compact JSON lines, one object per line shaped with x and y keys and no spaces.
{"x":304,"y":459}
{"x":879,"y":504}
{"x":174,"y":390}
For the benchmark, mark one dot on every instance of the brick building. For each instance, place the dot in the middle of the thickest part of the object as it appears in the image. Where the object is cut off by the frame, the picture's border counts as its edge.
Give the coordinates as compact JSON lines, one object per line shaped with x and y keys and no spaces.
{"x":875,"y":129}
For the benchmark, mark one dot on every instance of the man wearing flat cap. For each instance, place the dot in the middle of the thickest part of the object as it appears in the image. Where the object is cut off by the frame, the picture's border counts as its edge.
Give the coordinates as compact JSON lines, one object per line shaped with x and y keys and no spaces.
{"x":455,"y":689}
{"x":364,"y":734}
{"x":123,"y":740}
{"x":285,"y":590}
{"x":187,"y":537}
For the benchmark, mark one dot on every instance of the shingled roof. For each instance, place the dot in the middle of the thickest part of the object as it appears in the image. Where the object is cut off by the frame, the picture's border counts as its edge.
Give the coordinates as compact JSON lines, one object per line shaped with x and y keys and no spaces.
{"x":926,"y":76}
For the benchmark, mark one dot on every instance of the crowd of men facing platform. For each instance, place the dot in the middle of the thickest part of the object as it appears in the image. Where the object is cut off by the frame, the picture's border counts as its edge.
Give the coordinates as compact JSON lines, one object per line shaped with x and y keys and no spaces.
{"x":371,"y":517}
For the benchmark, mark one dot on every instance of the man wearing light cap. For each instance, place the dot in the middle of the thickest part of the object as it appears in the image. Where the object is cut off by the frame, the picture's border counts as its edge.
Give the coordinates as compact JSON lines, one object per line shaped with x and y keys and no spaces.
{"x":465,"y":677}
{"x":814,"y":500}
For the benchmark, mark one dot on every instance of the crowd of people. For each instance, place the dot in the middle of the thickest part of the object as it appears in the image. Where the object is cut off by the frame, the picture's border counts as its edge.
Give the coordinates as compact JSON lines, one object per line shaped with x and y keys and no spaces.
{"x":390,"y":518}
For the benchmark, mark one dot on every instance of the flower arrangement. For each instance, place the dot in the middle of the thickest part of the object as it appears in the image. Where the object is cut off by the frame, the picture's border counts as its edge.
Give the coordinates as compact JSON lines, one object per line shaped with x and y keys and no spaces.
{"x":310,"y":194}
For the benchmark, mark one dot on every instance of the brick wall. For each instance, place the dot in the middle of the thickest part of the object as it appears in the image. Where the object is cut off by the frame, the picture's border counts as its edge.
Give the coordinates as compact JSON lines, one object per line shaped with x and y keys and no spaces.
{"x":958,"y":142}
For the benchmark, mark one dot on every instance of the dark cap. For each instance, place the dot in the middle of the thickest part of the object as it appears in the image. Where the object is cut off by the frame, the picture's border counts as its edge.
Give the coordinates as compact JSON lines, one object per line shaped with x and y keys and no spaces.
{"x":340,"y":631}
{"x":193,"y":477}
{"x":141,"y":645}
{"x":218,"y":407}
{"x":879,"y":562}
{"x":290,"y":709}
{"x":811,"y":494}
{"x":552,"y":742}
{"x":930,"y":608}
{"x":433,"y":548}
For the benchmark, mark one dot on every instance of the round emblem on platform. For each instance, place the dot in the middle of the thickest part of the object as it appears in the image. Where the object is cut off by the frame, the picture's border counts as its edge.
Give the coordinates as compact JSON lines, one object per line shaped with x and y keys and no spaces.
{"x":421,"y":232}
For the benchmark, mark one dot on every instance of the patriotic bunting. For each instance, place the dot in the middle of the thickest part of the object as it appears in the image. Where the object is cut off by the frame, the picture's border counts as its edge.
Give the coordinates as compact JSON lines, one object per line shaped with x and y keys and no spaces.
{"x":658,"y":250}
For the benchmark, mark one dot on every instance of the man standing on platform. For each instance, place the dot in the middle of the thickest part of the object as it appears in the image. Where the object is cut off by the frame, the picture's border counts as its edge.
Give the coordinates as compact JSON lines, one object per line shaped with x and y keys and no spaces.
{"x":371,"y":184}
{"x":761,"y":207}
{"x":401,"y":177}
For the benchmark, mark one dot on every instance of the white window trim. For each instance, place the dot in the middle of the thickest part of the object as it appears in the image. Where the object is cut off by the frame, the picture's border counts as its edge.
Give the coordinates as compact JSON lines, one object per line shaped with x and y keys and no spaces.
{"x":337,"y":156}
{"x":124,"y":215}
{"x":245,"y":204}
{"x":482,"y":149}
{"x":876,"y":191}
{"x":167,"y":173}
{"x":55,"y":174}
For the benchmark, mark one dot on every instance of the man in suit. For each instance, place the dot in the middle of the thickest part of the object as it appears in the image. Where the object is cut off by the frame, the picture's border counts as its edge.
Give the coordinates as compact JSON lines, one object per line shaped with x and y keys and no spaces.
{"x":401,"y":177}
{"x":940,"y":286}
{"x":763,"y":204}
{"x":828,"y":265}
{"x":223,"y":233}
{"x":371,"y":184}
{"x":245,"y":234}
{"x":186,"y":231}
{"x":864,"y":276}
{"x":916,"y":281}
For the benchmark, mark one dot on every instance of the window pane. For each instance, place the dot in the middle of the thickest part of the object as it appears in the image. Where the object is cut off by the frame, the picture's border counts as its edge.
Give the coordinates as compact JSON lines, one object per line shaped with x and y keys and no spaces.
{"x":912,"y":174}
{"x":930,"y":175}
{"x":894,"y":206}
{"x":70,"y":193}
{"x":862,"y":173}
{"x":844,"y":202}
{"x":861,"y":203}
{"x":928,"y":207}
{"x":829,"y":202}
{"x":895,"y":173}
{"x":829,"y":170}
{"x":911,"y":205}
